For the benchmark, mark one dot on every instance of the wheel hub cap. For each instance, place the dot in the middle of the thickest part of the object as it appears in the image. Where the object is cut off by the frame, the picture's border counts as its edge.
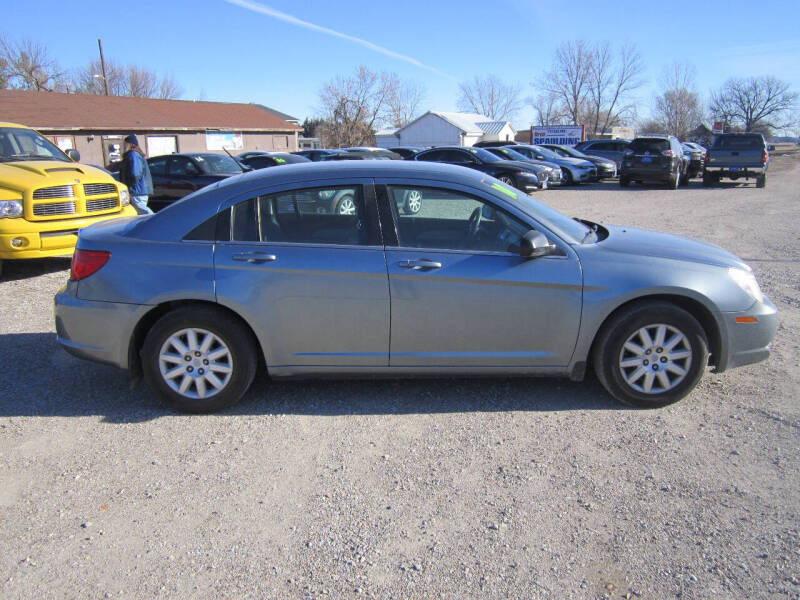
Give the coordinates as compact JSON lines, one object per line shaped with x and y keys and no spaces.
{"x":195,"y":363}
{"x":655,"y":359}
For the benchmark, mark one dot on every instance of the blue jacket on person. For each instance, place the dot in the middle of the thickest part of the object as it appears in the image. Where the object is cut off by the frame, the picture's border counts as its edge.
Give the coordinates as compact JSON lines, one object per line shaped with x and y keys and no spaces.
{"x":136,"y":174}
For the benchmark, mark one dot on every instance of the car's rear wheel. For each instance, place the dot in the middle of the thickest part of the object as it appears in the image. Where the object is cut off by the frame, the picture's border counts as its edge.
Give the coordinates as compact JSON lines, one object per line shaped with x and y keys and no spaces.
{"x":761,"y":181}
{"x":566,"y":177}
{"x":674,"y":180}
{"x":651,"y":354}
{"x":199,"y":359}
{"x":413,"y":202}
{"x":346,"y":205}
{"x":624,"y":181}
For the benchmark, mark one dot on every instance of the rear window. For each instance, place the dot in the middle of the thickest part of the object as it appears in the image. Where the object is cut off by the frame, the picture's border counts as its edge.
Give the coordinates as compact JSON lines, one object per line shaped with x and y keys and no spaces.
{"x":739,"y":142}
{"x":652,"y":145}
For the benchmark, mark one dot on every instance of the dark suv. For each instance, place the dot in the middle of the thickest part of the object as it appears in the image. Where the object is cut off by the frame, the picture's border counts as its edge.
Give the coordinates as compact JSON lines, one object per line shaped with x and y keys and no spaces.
{"x":654,"y":157}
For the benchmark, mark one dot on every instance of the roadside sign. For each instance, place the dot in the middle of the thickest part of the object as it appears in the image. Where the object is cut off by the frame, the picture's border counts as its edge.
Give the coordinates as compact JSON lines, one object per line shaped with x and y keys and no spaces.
{"x":563,"y":135}
{"x":719,"y":127}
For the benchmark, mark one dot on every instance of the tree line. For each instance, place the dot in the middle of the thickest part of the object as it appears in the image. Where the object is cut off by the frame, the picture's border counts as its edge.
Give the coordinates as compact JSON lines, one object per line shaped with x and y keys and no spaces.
{"x":28,"y":65}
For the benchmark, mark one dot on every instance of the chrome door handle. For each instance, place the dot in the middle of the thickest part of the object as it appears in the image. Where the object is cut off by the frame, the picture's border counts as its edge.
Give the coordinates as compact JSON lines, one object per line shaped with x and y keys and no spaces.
{"x":422,"y":263}
{"x":255,"y":257}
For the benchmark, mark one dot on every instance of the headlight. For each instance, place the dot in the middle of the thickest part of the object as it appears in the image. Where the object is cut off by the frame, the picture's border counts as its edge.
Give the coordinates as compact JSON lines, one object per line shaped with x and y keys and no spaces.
{"x":542,"y":176}
{"x":747,"y":281}
{"x":10,"y":209}
{"x":124,"y":197}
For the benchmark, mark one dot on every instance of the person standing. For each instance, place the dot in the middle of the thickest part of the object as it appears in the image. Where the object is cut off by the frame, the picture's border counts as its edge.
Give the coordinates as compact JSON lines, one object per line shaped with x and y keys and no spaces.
{"x":135,"y":173}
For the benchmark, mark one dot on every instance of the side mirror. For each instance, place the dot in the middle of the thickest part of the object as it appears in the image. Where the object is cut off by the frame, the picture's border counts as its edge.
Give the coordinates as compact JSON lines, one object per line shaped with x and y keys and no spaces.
{"x":771,"y":148}
{"x":74,"y":154}
{"x":535,"y":244}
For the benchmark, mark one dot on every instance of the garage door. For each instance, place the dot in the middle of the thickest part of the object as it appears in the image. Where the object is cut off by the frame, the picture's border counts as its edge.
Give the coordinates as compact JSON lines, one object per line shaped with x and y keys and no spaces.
{"x":158,"y":145}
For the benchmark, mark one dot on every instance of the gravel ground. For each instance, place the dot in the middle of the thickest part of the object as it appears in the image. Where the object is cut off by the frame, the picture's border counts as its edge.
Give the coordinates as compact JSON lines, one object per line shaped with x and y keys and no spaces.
{"x":414,"y":489}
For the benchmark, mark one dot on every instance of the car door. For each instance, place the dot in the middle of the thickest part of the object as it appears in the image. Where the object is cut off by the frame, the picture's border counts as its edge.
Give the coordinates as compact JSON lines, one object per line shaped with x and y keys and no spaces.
{"x":158,"y":173}
{"x":313,"y":280}
{"x":462,"y":296}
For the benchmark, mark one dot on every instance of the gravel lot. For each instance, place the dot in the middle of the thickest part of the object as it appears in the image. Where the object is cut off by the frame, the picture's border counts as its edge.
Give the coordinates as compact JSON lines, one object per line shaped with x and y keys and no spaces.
{"x":414,"y":489}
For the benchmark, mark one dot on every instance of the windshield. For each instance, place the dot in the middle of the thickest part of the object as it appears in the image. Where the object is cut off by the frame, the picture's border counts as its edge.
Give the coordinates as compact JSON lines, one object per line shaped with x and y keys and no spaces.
{"x":485,"y":155}
{"x":217,"y":164}
{"x":547,"y":153}
{"x":509,"y":154}
{"x":17,"y":144}
{"x":570,"y":152}
{"x":571,"y":230}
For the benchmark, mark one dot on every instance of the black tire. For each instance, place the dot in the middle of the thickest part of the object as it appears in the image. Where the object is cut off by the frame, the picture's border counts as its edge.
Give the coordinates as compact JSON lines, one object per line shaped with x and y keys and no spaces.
{"x":761,"y":181}
{"x":624,"y":181}
{"x":607,"y":355}
{"x":232,"y":334}
{"x":684,"y":180}
{"x":566,"y":177}
{"x":708,"y":180}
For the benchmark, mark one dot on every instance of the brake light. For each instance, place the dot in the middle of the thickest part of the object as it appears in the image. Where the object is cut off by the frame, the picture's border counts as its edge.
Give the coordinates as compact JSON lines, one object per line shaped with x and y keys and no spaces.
{"x":87,"y":262}
{"x":764,"y":157}
{"x":669,"y":153}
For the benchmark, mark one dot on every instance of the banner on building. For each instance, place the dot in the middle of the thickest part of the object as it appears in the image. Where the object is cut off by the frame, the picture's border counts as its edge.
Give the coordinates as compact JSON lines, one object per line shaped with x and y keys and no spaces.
{"x":219,"y":140}
{"x":563,"y":135}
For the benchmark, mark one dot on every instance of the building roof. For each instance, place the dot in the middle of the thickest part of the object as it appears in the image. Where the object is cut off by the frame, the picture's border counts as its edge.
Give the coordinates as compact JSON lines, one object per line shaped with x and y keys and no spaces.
{"x":50,"y":110}
{"x":386,"y":132}
{"x":277,"y":113}
{"x":492,"y":126}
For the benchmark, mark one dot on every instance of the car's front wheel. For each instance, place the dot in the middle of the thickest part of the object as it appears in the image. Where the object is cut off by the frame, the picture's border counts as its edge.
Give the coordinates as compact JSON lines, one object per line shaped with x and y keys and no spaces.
{"x":651,"y":354}
{"x":199,"y":359}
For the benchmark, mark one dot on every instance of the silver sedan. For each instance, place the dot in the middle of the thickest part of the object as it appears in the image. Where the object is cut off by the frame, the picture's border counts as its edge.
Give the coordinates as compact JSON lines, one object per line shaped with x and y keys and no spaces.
{"x":259,"y":271}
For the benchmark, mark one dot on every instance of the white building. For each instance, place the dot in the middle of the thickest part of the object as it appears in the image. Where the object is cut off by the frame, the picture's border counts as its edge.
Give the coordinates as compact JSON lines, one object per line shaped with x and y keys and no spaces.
{"x":436,"y":128}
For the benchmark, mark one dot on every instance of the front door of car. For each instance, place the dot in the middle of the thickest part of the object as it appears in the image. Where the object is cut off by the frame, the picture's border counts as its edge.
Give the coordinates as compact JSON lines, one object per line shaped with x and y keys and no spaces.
{"x":462,"y":296}
{"x":306,"y":267}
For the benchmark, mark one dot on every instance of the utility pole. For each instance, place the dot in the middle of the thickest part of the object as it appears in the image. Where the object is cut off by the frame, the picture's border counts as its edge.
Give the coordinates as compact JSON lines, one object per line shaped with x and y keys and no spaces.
{"x":103,"y":65}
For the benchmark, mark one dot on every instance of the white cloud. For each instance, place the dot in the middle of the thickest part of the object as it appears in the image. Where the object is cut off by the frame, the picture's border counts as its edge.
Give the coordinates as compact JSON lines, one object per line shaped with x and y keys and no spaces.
{"x":276,"y":14}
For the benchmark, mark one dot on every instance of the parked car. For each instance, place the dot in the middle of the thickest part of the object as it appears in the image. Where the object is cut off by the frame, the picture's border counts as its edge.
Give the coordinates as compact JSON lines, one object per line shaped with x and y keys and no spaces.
{"x":610,"y":149}
{"x":696,"y":159}
{"x":573,"y":170}
{"x":177,"y":175}
{"x":46,"y":196}
{"x":553,"y":170}
{"x":262,"y":160}
{"x":606,"y":168}
{"x":485,"y":280}
{"x":654,"y":157}
{"x":524,"y":176}
{"x":317,"y":154}
{"x":737,"y":156}
{"x":408,"y":152}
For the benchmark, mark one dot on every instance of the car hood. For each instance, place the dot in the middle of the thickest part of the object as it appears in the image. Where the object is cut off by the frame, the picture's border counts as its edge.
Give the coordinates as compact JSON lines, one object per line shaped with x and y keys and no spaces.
{"x":40,"y":173}
{"x":519,"y":165}
{"x":599,"y":160}
{"x":641,"y":242}
{"x":575,"y":162}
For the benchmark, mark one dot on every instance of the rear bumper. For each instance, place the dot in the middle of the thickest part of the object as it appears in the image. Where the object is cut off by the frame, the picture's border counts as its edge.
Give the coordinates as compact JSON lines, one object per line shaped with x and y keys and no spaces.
{"x":748,"y":343}
{"x":97,"y":331}
{"x":736,"y":172}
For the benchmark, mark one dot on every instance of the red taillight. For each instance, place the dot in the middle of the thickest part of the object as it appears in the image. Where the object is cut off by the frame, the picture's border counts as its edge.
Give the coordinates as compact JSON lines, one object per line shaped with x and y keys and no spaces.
{"x":764,"y":157}
{"x":87,"y":262}
{"x":669,"y":153}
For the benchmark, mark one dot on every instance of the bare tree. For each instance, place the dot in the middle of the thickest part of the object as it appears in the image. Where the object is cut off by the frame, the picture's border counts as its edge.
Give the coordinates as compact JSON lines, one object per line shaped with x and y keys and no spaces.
{"x":3,"y":73}
{"x":591,"y":84}
{"x":568,"y":78}
{"x":491,"y":97}
{"x":548,"y":109}
{"x":755,"y":103}
{"x":403,"y":101}
{"x":352,"y":107}
{"x":677,"y":107}
{"x":124,"y":81}
{"x":28,"y":66}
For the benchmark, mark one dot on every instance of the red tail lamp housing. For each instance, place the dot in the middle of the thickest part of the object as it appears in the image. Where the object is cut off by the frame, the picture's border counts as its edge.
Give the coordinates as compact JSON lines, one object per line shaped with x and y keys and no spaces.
{"x":87,"y":262}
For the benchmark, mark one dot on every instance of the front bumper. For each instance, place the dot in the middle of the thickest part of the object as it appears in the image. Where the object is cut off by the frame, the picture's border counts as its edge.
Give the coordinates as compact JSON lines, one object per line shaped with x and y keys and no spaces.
{"x":748,"y":342}
{"x":42,"y":239}
{"x":97,"y":331}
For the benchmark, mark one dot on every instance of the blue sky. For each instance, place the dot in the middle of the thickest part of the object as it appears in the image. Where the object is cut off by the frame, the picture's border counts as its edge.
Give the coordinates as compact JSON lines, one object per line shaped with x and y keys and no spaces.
{"x":230,"y":50}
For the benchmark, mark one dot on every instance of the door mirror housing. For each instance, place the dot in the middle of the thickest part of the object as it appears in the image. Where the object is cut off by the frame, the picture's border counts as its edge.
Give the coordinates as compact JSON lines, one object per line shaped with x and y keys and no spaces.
{"x":535,"y":244}
{"x":73,"y":154}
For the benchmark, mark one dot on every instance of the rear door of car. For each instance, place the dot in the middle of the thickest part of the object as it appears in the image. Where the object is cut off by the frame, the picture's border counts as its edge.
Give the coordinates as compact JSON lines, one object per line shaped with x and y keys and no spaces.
{"x":183,"y":177}
{"x":462,"y":296}
{"x":310,"y":278}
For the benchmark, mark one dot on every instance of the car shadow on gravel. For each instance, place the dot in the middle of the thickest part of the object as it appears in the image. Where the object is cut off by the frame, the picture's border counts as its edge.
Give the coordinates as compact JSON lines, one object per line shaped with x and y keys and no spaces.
{"x":43,"y":380}
{"x":14,"y":270}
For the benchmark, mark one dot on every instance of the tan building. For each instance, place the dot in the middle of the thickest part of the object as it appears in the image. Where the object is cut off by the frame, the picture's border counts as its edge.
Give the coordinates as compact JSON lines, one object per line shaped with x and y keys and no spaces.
{"x":96,"y":125}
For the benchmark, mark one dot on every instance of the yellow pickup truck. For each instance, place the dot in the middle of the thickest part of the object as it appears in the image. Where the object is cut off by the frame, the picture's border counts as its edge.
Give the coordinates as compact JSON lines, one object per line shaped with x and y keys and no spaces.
{"x":46,"y":196}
